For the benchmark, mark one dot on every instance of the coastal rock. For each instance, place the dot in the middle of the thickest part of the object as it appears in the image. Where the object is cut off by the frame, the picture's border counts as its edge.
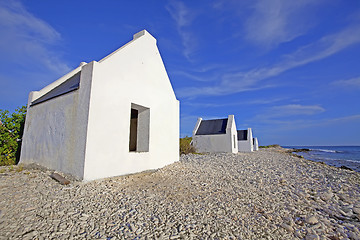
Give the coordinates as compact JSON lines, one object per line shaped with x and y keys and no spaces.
{"x":311,"y":220}
{"x":356,"y":210}
{"x":287,"y":227}
{"x":354,"y":236}
{"x":326,"y":196}
{"x":312,"y":237}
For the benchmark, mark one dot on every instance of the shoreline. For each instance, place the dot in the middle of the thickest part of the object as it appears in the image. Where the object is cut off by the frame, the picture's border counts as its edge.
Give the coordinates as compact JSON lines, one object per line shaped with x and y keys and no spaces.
{"x":305,"y":152}
{"x":260,"y":195}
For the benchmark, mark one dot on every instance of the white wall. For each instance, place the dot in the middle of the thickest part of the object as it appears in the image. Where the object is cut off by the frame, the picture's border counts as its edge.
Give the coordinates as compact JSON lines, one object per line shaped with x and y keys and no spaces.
{"x":135,"y":74}
{"x":212,"y":143}
{"x":246,"y":145}
{"x":256,"y":144}
{"x":232,"y":133}
{"x":55,"y":130}
{"x":218,"y":142}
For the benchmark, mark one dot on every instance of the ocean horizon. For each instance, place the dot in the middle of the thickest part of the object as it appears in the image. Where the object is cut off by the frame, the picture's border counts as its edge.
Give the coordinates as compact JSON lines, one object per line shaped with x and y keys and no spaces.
{"x":348,"y":156}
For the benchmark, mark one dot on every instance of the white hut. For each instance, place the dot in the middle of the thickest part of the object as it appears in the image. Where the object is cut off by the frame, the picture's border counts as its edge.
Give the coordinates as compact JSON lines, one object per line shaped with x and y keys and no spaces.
{"x":245,"y":140}
{"x":105,"y":118}
{"x":256,"y":144}
{"x":216,"y":135}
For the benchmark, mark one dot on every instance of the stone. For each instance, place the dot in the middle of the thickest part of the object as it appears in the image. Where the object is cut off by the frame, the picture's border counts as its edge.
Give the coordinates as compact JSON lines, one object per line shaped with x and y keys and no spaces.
{"x":287,"y":227}
{"x":354,"y":236}
{"x":312,"y":237}
{"x":311,"y":220}
{"x":326,"y":196}
{"x":60,"y":179}
{"x":356,"y":210}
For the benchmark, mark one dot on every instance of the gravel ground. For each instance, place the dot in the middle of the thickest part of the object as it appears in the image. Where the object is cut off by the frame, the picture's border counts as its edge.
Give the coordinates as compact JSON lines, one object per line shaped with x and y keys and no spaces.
{"x":269,"y":194}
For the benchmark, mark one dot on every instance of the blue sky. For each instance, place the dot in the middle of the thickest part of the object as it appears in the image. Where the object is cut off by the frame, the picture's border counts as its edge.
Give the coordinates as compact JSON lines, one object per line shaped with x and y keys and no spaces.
{"x":288,"y":69}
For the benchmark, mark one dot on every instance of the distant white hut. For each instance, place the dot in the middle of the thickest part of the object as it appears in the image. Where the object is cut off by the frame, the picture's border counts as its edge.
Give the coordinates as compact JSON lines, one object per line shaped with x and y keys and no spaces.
{"x":245,"y":140}
{"x":216,"y":135}
{"x":256,"y":144}
{"x":112,"y":117}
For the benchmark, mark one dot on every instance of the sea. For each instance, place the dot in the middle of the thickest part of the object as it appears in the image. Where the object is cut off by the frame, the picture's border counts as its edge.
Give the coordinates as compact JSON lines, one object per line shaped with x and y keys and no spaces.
{"x":348,"y":156}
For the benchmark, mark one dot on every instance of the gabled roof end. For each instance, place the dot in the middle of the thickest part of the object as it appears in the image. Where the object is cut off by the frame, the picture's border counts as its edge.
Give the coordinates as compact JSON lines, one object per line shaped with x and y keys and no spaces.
{"x":141,"y":33}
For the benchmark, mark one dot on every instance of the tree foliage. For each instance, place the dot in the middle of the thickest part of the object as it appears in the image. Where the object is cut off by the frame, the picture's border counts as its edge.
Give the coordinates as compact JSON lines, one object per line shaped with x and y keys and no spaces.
{"x":11,"y":130}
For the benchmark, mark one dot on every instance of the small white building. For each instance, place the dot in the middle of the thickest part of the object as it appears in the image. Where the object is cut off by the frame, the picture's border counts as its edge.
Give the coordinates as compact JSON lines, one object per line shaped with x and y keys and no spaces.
{"x":256,"y":144}
{"x":216,"y":135}
{"x":106,"y":118}
{"x":245,"y":140}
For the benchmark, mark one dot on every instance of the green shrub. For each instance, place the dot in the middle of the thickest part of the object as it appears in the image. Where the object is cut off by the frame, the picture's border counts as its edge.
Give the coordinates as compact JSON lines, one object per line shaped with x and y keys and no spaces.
{"x":270,"y":146}
{"x":11,"y":130}
{"x":185,"y":146}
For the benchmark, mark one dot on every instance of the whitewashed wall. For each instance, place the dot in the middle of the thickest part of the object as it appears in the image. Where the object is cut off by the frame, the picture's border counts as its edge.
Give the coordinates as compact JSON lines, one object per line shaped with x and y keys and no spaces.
{"x":55,"y":130}
{"x":133,"y":74}
{"x":217,"y":142}
{"x":246,"y":145}
{"x":256,"y":144}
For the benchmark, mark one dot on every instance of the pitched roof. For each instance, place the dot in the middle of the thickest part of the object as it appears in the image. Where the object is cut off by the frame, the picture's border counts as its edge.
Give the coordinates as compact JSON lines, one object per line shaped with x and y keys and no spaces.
{"x":242,"y":135}
{"x":210,"y":127}
{"x":69,"y":85}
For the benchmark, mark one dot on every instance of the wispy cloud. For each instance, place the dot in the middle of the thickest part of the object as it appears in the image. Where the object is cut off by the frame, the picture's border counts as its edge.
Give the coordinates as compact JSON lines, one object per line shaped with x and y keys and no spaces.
{"x":276,"y":21}
{"x":283,"y":124}
{"x":27,"y":39}
{"x":237,"y":103}
{"x":196,"y":77}
{"x":183,"y":18}
{"x":289,"y":110}
{"x":235,"y":82}
{"x":348,"y":83}
{"x":294,"y":110}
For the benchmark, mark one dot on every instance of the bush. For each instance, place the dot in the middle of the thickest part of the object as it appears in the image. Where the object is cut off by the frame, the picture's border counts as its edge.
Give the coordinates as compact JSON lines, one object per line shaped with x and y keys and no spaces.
{"x":270,"y":146}
{"x":11,"y":130}
{"x":185,"y":146}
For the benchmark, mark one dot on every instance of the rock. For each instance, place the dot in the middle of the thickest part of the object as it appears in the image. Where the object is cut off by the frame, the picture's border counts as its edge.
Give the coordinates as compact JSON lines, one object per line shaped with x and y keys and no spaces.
{"x":333,"y":237}
{"x":346,"y":168}
{"x":354,"y":236}
{"x":287,"y":227}
{"x":356,"y":210}
{"x":60,"y":179}
{"x":282,"y":181}
{"x":311,"y":220}
{"x":30,"y":234}
{"x":326,"y":196}
{"x":312,"y":237}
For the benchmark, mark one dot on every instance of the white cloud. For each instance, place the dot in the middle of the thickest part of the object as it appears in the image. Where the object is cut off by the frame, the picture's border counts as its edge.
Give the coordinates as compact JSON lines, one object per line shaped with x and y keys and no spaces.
{"x":235,"y":82}
{"x":348,"y":83}
{"x":183,"y":18}
{"x":26,"y":39}
{"x":296,"y":109}
{"x":196,"y":77}
{"x":276,"y":21}
{"x":289,"y":110}
{"x":228,"y":104}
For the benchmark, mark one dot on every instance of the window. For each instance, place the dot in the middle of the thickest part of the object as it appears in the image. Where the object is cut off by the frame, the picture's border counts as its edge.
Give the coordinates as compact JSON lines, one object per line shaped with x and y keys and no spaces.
{"x":234,"y":141}
{"x":139,"y":128}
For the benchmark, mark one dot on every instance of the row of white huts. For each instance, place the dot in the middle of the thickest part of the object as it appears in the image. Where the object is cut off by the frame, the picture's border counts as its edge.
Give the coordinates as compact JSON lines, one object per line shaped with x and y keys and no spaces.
{"x":115,"y":116}
{"x":220,"y":135}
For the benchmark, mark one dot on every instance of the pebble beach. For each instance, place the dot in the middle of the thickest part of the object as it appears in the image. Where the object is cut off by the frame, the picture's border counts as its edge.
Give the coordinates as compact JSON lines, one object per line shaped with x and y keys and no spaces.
{"x":268,"y":194}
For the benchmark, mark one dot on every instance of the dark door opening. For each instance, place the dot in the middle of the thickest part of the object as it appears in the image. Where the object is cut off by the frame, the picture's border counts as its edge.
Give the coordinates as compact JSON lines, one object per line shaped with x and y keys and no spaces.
{"x":133,"y":129}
